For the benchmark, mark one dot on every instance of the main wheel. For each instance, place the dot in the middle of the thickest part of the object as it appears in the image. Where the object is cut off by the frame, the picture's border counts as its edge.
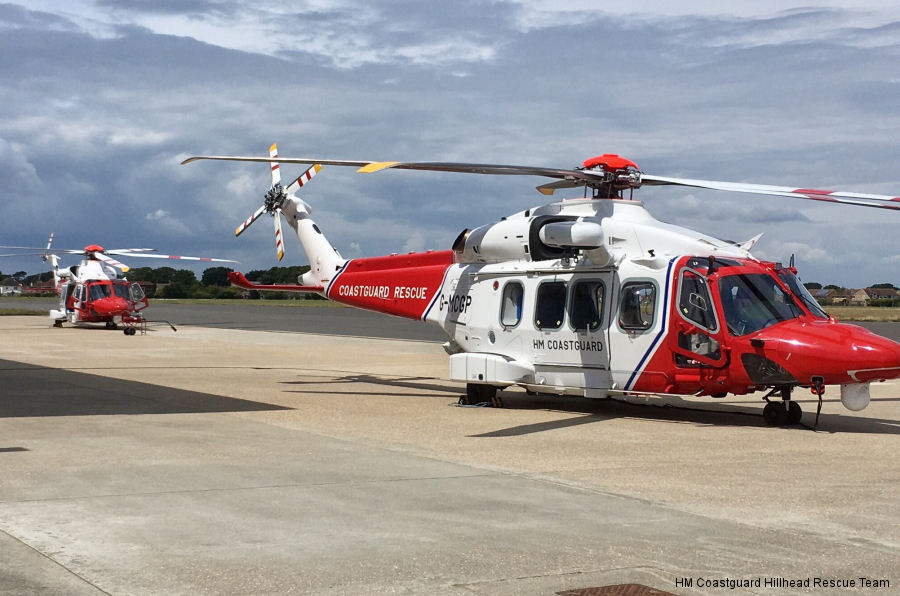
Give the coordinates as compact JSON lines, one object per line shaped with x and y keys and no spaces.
{"x":794,"y":412}
{"x":477,"y":393}
{"x":775,"y":414}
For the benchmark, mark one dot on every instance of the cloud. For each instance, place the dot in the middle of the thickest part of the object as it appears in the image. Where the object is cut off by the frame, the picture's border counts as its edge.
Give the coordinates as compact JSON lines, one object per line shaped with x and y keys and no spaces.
{"x":102,"y":100}
{"x":162,"y":219}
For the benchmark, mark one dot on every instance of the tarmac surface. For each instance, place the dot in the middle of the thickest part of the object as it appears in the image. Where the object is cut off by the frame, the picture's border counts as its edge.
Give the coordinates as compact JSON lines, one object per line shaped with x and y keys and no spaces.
{"x":232,"y":461}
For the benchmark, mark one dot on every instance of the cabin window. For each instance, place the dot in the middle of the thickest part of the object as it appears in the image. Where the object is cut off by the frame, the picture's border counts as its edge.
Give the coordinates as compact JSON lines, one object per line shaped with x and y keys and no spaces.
{"x":550,"y":307}
{"x":694,"y":302}
{"x":511,"y":304}
{"x":638,"y":305}
{"x":586,"y":307}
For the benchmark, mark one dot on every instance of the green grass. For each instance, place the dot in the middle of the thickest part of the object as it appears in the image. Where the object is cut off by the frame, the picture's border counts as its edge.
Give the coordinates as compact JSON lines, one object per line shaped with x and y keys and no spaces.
{"x":865,"y":313}
{"x":15,"y":312}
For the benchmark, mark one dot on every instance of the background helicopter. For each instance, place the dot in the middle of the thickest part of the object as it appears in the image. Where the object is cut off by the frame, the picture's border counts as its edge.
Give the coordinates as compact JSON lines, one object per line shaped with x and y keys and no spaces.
{"x":594,"y":297}
{"x":93,"y":291}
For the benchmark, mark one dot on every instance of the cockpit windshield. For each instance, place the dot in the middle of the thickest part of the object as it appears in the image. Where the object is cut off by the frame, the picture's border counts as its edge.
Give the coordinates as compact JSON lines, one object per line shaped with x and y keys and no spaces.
{"x":754,"y":301}
{"x":122,"y":290}
{"x":800,"y":291}
{"x":99,"y":290}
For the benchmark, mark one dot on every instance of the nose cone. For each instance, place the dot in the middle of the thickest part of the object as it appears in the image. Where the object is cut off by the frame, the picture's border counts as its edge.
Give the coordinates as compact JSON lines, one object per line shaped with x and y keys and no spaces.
{"x":839,"y":352}
{"x":110,"y":306}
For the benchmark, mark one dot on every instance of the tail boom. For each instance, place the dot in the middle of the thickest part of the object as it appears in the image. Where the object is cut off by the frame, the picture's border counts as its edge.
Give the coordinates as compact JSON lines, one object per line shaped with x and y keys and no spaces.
{"x":401,"y":285}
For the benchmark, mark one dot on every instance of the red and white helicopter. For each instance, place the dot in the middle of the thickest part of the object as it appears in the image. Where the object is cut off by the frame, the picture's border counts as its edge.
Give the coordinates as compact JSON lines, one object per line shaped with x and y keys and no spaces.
{"x":93,"y":291}
{"x":594,"y":297}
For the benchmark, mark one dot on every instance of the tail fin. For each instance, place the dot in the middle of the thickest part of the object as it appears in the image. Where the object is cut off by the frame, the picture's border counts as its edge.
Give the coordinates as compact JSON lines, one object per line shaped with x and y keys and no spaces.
{"x":324,"y":259}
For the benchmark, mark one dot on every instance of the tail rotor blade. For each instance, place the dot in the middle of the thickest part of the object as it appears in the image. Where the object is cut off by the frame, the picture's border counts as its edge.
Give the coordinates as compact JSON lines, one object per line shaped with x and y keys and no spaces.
{"x":49,"y":242}
{"x":276,"y":170}
{"x":279,"y":243}
{"x":303,"y":179}
{"x":250,"y":220}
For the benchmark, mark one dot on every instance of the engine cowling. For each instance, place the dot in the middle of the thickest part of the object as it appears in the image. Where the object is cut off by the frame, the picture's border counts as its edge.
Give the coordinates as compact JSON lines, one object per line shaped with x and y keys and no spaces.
{"x":583,"y":235}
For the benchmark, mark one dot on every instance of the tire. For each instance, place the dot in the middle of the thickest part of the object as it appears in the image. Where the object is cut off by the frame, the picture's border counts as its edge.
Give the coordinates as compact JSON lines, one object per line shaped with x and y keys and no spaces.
{"x":775,"y":414}
{"x":477,"y":393}
{"x":794,"y":412}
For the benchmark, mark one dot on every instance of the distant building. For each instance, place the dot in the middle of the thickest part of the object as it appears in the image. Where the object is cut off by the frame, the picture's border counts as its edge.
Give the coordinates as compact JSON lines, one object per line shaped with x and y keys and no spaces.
{"x":859,"y":298}
{"x":882,"y":293}
{"x":9,"y":287}
{"x":823,"y":296}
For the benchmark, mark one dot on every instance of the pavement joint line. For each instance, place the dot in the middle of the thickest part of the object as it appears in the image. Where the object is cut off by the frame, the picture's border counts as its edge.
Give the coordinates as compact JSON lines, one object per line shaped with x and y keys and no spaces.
{"x":55,"y":562}
{"x":486,"y":474}
{"x":333,"y":334}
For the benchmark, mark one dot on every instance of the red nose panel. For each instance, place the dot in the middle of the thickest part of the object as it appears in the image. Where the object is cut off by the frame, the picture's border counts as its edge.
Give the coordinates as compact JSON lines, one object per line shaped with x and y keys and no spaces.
{"x":839,"y":352}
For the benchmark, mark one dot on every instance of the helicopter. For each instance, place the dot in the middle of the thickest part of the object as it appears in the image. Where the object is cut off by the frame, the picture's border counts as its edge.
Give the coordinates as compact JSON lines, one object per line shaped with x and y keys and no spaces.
{"x":93,"y":291}
{"x":592,"y":296}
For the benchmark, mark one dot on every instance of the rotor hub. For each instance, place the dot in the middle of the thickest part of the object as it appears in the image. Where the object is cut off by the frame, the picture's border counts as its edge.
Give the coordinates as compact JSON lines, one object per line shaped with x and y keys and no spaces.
{"x":274,"y":198}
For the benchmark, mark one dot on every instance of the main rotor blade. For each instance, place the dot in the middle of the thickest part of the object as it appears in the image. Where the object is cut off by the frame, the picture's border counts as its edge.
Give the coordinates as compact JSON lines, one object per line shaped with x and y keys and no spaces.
{"x":249,"y":220}
{"x":110,"y":261}
{"x":128,"y":251}
{"x":179,"y":258}
{"x":592,"y":176}
{"x":327,"y":162}
{"x":367,"y":167}
{"x":24,"y":254}
{"x":279,"y":243}
{"x":829,"y":196}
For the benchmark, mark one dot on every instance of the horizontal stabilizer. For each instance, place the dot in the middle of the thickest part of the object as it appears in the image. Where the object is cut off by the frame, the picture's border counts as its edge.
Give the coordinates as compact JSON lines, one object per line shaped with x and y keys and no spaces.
{"x":237,"y":278}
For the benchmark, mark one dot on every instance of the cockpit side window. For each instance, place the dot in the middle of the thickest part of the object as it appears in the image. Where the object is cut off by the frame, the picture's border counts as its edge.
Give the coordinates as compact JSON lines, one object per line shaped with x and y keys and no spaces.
{"x":550,"y":307}
{"x":694,"y":301}
{"x":637,"y":306}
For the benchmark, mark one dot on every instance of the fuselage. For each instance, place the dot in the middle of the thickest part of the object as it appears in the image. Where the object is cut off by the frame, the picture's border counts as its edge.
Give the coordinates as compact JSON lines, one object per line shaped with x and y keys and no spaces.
{"x":93,"y":293}
{"x":591,"y":297}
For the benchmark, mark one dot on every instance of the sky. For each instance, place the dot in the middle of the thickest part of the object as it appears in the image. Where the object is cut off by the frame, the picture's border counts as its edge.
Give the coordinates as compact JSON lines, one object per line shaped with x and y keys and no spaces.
{"x":101,"y":100}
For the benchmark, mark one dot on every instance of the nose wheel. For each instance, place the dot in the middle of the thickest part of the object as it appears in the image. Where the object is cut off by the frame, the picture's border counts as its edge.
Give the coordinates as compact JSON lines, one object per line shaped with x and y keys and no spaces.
{"x":784,"y":412}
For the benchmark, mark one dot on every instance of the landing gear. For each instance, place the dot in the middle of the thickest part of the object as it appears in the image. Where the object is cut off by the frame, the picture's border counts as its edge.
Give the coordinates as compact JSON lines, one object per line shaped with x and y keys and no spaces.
{"x":783,"y":412}
{"x":111,"y":325}
{"x":129,"y":331}
{"x":775,"y":414}
{"x":478,"y":393}
{"x":57,"y":323}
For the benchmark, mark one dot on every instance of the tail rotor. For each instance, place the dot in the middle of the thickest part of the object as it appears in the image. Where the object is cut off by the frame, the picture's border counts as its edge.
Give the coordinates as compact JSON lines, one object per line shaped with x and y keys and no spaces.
{"x":275,"y":198}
